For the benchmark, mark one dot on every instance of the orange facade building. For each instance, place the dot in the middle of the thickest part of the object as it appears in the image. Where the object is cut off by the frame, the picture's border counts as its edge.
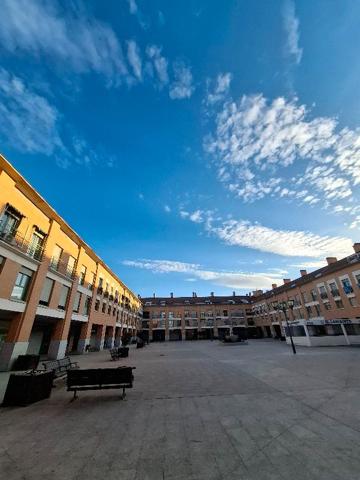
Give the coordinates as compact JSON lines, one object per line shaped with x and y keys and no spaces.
{"x":56,"y":295}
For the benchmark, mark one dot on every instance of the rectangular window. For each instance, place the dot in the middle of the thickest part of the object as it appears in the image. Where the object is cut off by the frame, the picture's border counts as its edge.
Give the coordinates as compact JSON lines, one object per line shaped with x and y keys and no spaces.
{"x":313,"y":295}
{"x":9,"y":222}
{"x":70,"y":266}
{"x":21,"y":284}
{"x":339,"y":304}
{"x":334,"y":289}
{"x":323,"y":292}
{"x":86,"y":307}
{"x":109,"y":310}
{"x":93,"y":280}
{"x":357,"y":278}
{"x":2,"y":261}
{"x":103,"y":308}
{"x":57,"y":254}
{"x":77,"y":301}
{"x":353,"y":329}
{"x":353,"y":302}
{"x":316,"y":330}
{"x":308,"y":311}
{"x":46,"y":291}
{"x":82,"y":275}
{"x":347,"y":285}
{"x":333,"y":330}
{"x":36,"y":245}
{"x":64,"y":295}
{"x":97,"y":305}
{"x":318,"y":311}
{"x":225,"y":313}
{"x":327,"y":305}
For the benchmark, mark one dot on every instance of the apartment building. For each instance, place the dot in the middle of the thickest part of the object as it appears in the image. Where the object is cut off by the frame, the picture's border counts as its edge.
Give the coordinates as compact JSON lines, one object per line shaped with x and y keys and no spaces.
{"x":322,"y":307}
{"x":196,"y":318}
{"x":56,"y":295}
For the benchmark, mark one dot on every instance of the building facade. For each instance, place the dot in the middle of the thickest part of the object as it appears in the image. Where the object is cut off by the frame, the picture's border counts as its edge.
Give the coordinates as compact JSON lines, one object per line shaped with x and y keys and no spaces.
{"x":323,"y":307}
{"x":56,"y":295}
{"x":195,"y":318}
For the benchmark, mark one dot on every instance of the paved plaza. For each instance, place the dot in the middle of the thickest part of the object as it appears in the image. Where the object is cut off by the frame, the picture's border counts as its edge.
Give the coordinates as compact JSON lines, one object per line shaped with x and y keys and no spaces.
{"x":198,"y":410}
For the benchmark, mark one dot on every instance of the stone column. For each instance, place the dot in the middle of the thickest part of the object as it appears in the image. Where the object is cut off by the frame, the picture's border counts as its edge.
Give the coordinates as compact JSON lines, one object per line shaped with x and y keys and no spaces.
{"x":167,"y":331}
{"x":109,"y":337}
{"x":85,"y":335}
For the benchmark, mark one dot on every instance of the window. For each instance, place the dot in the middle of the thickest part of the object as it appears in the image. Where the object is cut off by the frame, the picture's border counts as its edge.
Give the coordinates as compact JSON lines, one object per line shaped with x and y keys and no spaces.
{"x":316,"y":330}
{"x":308,"y":311}
{"x":171,"y":314}
{"x":21,"y":284}
{"x":97,"y":305}
{"x":318,"y":311}
{"x":103,"y":308}
{"x":64,"y":295}
{"x":334,"y":330}
{"x":77,"y":301}
{"x":2,"y":261}
{"x":323,"y":292}
{"x":46,"y":291}
{"x":339,"y":304}
{"x":313,"y":295}
{"x":357,"y":278}
{"x":70,"y":266}
{"x":327,"y":305}
{"x":82,"y":275}
{"x":334,"y":290}
{"x":202,"y":314}
{"x":353,"y":329}
{"x":225,"y":313}
{"x":9,"y":221}
{"x":109,"y":310}
{"x":298,"y":331}
{"x":57,"y":253}
{"x":93,"y":279}
{"x":347,"y":285}
{"x":305,"y":297}
{"x":36,"y":244}
{"x":87,"y":305}
{"x":101,"y":281}
{"x":353,"y":302}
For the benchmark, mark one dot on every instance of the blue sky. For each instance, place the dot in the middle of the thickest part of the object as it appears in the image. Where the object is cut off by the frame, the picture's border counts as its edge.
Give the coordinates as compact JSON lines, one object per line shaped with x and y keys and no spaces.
{"x":197,"y":145}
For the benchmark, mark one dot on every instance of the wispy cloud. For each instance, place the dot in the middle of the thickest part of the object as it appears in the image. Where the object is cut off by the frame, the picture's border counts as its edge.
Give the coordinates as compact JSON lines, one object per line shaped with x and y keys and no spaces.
{"x":159,"y":63}
{"x":68,"y":36}
{"x":167,"y":208}
{"x":182,"y":86}
{"x":134,"y":58}
{"x":229,"y":279}
{"x":291,"y":27}
{"x":292,"y":243}
{"x":256,"y":140}
{"x":29,"y":122}
{"x":134,"y":10}
{"x":33,"y":125}
{"x":219,"y":91}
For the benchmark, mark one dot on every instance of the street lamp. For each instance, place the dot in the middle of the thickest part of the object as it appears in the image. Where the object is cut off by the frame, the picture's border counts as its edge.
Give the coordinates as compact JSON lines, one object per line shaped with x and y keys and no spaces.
{"x":283,"y":306}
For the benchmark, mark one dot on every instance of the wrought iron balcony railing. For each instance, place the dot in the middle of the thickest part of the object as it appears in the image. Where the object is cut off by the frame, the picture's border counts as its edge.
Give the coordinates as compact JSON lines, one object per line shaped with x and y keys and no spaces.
{"x":13,"y":238}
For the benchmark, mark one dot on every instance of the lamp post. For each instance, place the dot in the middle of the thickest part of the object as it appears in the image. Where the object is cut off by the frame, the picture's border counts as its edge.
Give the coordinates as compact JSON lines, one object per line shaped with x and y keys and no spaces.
{"x":283,"y":306}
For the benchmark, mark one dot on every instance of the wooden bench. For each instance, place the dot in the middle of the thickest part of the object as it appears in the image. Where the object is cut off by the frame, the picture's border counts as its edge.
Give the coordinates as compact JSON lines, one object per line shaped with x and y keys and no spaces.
{"x":100,"y":379}
{"x":61,"y":366}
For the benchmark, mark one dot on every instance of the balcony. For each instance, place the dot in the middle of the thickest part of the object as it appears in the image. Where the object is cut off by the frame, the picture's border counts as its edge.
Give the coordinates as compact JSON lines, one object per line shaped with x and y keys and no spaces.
{"x":324,"y":295}
{"x":111,"y":298}
{"x":59,"y":266}
{"x":14,"y":239}
{"x":100,"y":290}
{"x":106,"y":294}
{"x":191,"y":323}
{"x":335,"y":292}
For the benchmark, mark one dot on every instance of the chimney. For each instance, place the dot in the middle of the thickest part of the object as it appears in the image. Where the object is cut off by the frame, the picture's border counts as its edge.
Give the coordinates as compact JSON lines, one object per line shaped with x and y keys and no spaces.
{"x":303,"y":273}
{"x":234,"y":294}
{"x":273,"y":285}
{"x":356,"y":247}
{"x":171,"y":295}
{"x":211,"y":294}
{"x":331,"y":260}
{"x":286,"y":280}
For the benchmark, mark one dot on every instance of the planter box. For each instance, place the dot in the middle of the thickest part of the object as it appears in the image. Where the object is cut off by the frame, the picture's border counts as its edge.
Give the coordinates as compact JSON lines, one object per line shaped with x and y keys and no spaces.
{"x":24,"y":389}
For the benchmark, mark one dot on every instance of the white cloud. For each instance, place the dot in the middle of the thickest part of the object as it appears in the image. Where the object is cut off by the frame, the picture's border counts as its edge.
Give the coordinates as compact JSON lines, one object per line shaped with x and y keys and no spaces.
{"x":182,"y":86}
{"x":29,"y":122}
{"x":67,"y":35}
{"x":256,"y":140}
{"x":167,"y":208}
{"x":291,"y":26}
{"x":281,"y":242}
{"x":312,"y":264}
{"x":134,"y":58}
{"x":160,"y":64}
{"x":133,"y":8}
{"x":220,"y":90}
{"x":229,"y":279}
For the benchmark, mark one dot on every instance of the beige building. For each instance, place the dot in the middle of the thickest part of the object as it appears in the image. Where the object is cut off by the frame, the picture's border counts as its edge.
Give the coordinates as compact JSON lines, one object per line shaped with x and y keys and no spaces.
{"x":322,"y":307}
{"x":195,"y":318}
{"x":56,"y":295}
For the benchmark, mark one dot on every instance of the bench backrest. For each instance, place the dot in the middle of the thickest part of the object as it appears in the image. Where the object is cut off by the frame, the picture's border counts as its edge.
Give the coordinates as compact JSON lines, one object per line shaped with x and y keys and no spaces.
{"x":64,"y":362}
{"x":51,"y":365}
{"x":100,"y":376}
